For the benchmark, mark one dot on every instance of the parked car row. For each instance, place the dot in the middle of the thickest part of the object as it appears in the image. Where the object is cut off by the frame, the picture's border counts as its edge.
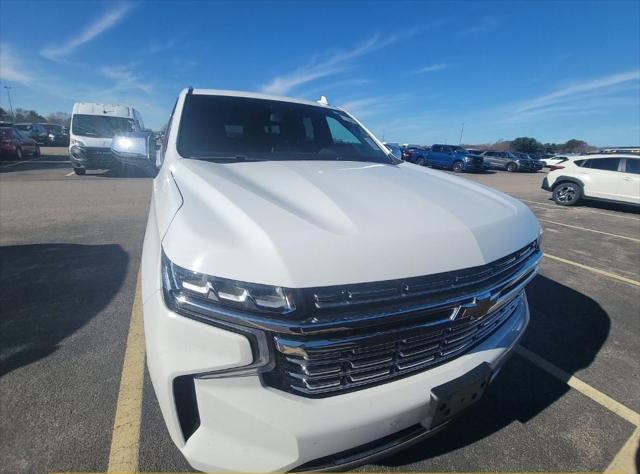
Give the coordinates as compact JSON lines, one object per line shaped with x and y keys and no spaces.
{"x":14,"y":143}
{"x":458,"y":159}
{"x":44,"y":134}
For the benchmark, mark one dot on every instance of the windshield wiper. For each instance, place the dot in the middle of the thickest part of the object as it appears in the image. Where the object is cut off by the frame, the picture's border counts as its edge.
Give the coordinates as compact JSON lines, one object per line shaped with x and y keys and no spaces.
{"x":237,"y":158}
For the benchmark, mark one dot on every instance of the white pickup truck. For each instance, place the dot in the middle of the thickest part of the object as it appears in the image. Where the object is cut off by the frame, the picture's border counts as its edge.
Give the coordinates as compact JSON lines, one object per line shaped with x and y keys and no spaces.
{"x":310,"y":301}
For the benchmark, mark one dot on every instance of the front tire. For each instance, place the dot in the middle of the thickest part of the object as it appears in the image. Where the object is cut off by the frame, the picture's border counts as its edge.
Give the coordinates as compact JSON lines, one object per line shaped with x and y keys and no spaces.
{"x":512,"y":167}
{"x":457,"y":167}
{"x":37,"y":152}
{"x":80,"y":171}
{"x":567,"y":194}
{"x":18,"y":153}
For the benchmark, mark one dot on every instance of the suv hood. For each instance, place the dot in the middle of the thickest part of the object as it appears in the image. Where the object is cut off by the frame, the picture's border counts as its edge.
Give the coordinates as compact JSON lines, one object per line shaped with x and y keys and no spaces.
{"x":315,"y":223}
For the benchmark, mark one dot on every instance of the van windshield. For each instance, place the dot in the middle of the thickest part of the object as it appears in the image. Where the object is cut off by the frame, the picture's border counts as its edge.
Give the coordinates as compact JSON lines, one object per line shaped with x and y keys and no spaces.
{"x":227,"y":128}
{"x":100,"y":126}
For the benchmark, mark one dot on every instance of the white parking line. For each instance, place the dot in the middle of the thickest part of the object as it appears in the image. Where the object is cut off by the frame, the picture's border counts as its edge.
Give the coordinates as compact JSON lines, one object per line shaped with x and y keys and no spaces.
{"x":17,"y":163}
{"x":588,"y":230}
{"x":594,"y":270}
{"x":70,"y":174}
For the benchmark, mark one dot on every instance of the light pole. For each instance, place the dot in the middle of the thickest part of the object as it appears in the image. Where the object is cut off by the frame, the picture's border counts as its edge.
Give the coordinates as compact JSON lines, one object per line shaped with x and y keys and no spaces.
{"x":461,"y":132}
{"x":10,"y":105}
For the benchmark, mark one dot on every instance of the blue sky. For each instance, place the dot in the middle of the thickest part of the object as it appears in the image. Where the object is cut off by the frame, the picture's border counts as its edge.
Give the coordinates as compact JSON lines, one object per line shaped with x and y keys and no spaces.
{"x":411,"y":71}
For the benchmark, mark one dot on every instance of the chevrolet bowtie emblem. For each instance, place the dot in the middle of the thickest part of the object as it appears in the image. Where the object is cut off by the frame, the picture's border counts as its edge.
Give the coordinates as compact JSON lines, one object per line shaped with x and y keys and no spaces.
{"x":477,"y":309}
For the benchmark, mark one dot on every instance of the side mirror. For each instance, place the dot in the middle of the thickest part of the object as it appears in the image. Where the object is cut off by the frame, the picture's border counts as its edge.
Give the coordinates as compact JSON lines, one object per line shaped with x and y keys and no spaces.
{"x":135,"y":149}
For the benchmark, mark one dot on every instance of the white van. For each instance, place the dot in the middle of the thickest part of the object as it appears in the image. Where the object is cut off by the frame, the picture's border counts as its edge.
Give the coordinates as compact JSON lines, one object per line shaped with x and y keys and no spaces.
{"x":92,"y":128}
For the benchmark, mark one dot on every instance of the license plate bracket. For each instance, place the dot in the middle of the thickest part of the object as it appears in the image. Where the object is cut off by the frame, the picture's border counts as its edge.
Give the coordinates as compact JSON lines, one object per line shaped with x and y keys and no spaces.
{"x":451,"y":398}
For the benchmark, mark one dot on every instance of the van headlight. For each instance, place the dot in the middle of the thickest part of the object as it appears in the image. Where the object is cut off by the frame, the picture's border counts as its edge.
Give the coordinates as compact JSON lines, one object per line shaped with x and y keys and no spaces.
{"x":214,"y":298}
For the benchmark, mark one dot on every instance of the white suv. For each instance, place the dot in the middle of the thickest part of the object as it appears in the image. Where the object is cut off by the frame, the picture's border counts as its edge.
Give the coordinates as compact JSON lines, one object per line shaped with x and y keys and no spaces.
{"x":310,"y":301}
{"x":607,"y":177}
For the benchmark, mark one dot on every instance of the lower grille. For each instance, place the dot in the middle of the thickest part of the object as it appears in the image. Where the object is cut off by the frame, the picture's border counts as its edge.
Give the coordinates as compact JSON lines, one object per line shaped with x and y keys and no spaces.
{"x":413,"y":349}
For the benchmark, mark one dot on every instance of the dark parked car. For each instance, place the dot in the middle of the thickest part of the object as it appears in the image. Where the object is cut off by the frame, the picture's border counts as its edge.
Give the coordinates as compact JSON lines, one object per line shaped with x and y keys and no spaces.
{"x":35,"y":131}
{"x":505,"y":160}
{"x":454,"y":158}
{"x":57,"y":135}
{"x":15,"y":144}
{"x":524,"y":156}
{"x":415,"y":154}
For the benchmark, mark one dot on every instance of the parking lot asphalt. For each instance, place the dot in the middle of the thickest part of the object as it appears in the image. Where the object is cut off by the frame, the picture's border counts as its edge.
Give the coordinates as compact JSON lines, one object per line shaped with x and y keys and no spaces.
{"x":70,"y":247}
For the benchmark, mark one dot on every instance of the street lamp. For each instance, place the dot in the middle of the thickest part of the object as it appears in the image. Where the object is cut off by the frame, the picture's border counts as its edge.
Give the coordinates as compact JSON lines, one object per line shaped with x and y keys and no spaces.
{"x":10,"y":105}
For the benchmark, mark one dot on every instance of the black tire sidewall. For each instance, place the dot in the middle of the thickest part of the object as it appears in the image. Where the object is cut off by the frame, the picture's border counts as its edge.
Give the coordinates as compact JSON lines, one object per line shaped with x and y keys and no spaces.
{"x":18,"y":153}
{"x":512,"y":167}
{"x":458,"y":165}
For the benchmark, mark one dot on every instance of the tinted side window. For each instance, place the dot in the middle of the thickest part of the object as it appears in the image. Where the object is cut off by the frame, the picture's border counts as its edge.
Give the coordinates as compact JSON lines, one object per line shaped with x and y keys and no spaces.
{"x":633,"y":165}
{"x":607,"y":164}
{"x":339,"y":133}
{"x":436,"y":148}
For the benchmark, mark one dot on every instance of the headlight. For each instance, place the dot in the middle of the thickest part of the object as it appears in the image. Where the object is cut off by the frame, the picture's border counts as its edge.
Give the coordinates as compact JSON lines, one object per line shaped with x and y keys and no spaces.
{"x":52,"y":136}
{"x":468,"y":158}
{"x":211,"y":297}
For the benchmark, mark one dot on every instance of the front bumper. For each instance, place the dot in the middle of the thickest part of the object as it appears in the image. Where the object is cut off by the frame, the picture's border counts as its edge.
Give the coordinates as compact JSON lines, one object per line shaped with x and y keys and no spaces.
{"x":247,"y":426}
{"x":91,"y":157}
{"x":545,"y":184}
{"x":473,"y":166}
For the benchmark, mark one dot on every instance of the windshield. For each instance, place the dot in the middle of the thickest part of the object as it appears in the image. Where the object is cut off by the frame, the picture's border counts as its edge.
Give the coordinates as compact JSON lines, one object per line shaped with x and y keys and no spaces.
{"x":219,"y":127}
{"x":100,"y":126}
{"x":53,"y":128}
{"x":459,"y":149}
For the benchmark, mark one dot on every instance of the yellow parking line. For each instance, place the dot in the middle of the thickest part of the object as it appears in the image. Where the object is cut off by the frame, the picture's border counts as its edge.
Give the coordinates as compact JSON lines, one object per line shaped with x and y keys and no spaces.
{"x":123,"y":456}
{"x":594,"y":270}
{"x":588,"y":230}
{"x":592,"y":211}
{"x":585,"y":389}
{"x":624,"y":462}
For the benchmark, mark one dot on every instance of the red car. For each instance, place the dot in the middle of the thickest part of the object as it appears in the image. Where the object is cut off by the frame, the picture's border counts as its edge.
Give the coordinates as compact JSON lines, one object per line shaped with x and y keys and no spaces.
{"x":15,"y":144}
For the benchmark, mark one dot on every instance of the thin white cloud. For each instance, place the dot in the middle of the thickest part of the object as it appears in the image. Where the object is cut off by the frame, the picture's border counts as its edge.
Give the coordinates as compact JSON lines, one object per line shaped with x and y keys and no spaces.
{"x":485,"y":25}
{"x":107,"y":21}
{"x":332,"y":64}
{"x":599,"y":86}
{"x":125,"y":78}
{"x":161,"y":46}
{"x":433,"y":68}
{"x":11,"y":68}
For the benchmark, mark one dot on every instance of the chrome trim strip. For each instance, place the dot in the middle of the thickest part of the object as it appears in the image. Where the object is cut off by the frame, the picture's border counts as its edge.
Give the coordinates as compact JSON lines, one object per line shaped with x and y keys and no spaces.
{"x":305,"y":348}
{"x":185,"y":304}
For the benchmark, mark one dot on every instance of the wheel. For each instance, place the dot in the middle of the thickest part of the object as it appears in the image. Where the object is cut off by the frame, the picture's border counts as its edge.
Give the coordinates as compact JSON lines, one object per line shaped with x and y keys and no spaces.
{"x":420,"y":162}
{"x":80,"y":171}
{"x":18,"y":153}
{"x":37,"y":152}
{"x":512,"y":167}
{"x":458,"y":166}
{"x":567,"y":194}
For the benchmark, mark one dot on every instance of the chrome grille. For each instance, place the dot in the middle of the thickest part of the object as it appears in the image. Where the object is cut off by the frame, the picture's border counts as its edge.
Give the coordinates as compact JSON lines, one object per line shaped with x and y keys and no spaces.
{"x":366,"y":334}
{"x":348,"y":369}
